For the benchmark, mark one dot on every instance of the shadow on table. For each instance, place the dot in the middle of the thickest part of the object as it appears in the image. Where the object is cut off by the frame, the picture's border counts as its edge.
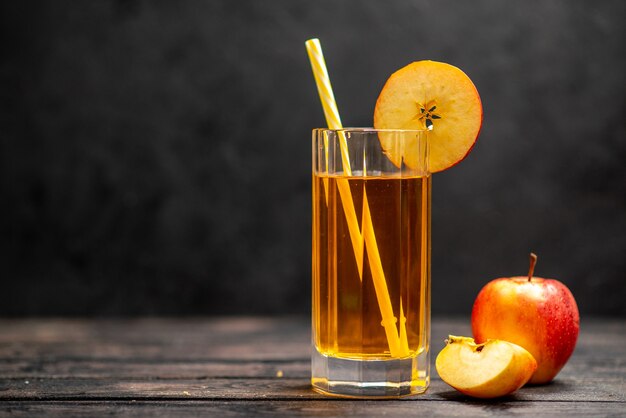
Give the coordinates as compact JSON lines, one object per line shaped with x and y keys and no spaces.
{"x":498,"y":404}
{"x":530,"y":392}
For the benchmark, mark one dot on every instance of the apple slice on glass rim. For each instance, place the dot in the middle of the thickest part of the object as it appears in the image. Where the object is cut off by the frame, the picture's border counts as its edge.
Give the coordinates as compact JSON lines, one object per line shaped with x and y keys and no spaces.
{"x":435,"y":96}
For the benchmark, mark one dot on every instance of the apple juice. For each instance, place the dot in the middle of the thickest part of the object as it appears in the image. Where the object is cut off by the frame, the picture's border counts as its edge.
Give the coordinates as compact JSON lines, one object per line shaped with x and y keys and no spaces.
{"x":346,"y":313}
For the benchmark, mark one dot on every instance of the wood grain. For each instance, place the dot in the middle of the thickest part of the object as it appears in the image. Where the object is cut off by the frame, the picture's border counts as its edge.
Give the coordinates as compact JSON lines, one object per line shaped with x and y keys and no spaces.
{"x":243,"y":366}
{"x":324,"y":408}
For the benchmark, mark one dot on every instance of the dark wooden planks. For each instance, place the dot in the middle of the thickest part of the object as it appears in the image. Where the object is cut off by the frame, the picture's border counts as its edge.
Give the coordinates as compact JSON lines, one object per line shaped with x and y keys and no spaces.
{"x":595,"y":365}
{"x":581,"y":389}
{"x":247,"y":338}
{"x":232,"y":366}
{"x":157,"y":339}
{"x":140,"y":369}
{"x":325,"y":408}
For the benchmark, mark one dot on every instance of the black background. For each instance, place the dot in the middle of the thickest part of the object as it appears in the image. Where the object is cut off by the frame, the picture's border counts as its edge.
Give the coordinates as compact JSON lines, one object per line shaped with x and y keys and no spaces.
{"x":155,"y":155}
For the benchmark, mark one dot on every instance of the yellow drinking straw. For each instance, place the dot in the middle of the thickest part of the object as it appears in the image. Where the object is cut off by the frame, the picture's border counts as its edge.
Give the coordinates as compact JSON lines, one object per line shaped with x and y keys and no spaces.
{"x":398,"y":346}
{"x":331,"y":113}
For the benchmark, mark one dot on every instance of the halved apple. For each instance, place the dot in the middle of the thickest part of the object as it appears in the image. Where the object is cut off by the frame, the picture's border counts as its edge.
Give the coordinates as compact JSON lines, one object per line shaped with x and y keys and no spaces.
{"x":495,"y":368}
{"x":435,"y":96}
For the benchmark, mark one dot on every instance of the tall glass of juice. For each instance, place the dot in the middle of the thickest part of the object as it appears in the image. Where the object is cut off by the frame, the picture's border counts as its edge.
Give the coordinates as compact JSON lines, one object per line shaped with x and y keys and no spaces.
{"x":370,"y":262}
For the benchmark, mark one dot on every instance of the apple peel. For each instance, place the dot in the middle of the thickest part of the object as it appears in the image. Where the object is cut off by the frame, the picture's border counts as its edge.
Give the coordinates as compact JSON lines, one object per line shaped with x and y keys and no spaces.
{"x":538,"y":314}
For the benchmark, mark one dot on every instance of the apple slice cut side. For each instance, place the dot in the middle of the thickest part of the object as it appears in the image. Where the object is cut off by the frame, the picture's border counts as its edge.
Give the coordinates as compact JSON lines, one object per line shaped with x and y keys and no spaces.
{"x":435,"y":96}
{"x":490,"y":370}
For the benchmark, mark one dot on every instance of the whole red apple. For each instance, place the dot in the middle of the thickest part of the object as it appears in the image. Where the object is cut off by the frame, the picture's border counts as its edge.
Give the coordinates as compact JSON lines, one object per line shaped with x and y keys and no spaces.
{"x":538,"y":314}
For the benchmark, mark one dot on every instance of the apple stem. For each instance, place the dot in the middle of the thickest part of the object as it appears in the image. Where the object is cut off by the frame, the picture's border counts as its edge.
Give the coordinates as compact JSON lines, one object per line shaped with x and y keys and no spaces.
{"x":533,"y":261}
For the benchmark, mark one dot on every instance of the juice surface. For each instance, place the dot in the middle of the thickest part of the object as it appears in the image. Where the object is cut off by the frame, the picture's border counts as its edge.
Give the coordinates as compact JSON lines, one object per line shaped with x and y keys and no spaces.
{"x":346,"y":314}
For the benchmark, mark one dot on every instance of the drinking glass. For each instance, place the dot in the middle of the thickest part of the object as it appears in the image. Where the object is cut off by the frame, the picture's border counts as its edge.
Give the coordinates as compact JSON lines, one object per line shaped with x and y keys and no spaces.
{"x":370,"y":262}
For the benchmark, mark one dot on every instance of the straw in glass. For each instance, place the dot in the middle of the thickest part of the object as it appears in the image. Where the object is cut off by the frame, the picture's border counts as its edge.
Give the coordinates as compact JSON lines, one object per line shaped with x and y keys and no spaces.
{"x":398,"y":344}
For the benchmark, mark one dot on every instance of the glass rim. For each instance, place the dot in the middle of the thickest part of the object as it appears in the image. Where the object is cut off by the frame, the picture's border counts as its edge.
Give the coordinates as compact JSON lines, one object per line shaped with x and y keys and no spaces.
{"x":371,"y":130}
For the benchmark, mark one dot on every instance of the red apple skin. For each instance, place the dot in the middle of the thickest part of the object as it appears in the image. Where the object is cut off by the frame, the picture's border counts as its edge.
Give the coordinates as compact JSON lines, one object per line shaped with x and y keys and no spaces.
{"x":540,"y":315}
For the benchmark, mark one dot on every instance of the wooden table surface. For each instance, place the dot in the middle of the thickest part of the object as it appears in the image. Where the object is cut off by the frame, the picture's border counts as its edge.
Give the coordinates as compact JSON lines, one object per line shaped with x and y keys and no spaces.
{"x":232,"y":367}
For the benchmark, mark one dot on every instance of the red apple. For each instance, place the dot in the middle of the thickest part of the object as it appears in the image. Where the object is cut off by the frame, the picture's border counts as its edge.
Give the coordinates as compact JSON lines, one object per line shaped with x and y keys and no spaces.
{"x":538,"y":314}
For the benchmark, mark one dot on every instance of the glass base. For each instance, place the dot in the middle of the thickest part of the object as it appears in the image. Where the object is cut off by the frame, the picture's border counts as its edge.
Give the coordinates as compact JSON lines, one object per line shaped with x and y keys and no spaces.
{"x":369,"y":378}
